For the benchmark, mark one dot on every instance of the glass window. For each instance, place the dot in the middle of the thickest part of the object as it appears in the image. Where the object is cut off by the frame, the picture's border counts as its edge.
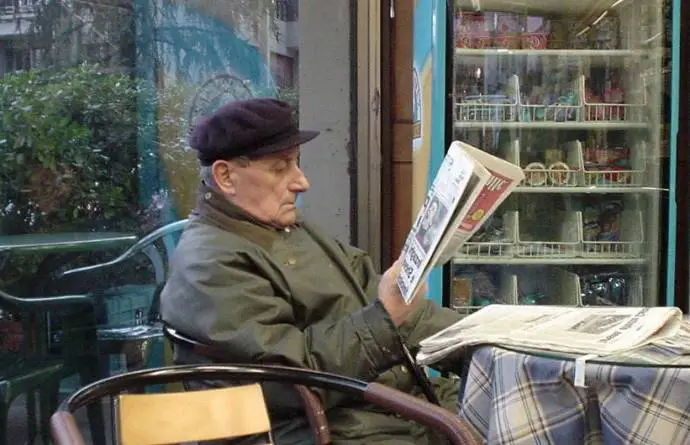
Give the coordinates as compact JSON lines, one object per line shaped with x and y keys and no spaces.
{"x":96,"y":101}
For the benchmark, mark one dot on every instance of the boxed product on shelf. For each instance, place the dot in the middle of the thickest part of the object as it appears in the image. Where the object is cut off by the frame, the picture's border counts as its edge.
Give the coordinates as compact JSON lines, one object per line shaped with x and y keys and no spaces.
{"x":608,"y":230}
{"x":611,"y":288}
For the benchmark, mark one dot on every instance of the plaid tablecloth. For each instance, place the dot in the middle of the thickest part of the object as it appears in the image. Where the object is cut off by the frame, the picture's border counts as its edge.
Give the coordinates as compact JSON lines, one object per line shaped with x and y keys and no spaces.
{"x":513,"y":398}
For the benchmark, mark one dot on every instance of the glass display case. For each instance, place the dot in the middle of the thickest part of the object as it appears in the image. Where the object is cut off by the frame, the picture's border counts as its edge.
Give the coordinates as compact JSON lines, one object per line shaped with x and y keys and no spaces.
{"x":572,"y":92}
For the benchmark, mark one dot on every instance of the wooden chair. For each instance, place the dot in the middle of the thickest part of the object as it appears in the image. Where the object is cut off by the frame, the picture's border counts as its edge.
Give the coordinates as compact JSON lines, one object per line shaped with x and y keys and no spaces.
{"x":150,"y":419}
{"x":313,"y":407}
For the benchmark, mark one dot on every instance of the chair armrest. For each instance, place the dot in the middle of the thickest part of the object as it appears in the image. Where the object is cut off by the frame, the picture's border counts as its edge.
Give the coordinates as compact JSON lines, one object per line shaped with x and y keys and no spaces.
{"x":64,"y":429}
{"x":412,"y":408}
{"x":44,"y":304}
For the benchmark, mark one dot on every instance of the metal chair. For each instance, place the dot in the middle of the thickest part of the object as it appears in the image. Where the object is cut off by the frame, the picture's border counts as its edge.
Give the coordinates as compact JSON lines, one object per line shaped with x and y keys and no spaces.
{"x":65,"y":431}
{"x":28,"y":365}
{"x":135,"y":340}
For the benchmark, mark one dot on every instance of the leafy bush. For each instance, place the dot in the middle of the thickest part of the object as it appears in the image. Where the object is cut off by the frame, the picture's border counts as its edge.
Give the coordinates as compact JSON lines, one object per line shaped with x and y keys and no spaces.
{"x":68,"y":149}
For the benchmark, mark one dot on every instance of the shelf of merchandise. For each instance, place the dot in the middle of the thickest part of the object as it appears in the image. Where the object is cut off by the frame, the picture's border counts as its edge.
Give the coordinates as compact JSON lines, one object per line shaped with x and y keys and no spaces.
{"x":573,"y":112}
{"x":575,"y":53}
{"x":586,"y":190}
{"x":511,"y":125}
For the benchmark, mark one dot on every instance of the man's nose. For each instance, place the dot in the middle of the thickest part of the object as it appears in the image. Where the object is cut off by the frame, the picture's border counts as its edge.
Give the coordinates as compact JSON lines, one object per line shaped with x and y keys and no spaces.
{"x":301,"y":183}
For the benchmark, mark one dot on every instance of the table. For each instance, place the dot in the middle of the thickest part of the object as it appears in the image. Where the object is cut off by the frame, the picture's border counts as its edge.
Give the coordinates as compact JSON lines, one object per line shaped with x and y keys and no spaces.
{"x":521,"y":396}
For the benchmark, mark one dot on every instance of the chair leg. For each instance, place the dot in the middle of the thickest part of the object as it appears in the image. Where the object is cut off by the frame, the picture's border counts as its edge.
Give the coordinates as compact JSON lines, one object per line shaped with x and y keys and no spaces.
{"x":47,"y":405}
{"x":31,"y":416}
{"x":4,"y":408}
{"x":87,"y":374}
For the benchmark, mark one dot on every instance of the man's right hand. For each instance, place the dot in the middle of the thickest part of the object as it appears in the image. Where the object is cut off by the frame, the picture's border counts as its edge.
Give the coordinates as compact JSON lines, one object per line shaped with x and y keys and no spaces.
{"x":392,"y":299}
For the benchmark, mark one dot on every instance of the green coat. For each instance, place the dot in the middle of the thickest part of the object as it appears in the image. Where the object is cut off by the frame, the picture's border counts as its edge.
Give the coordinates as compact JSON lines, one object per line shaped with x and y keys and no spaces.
{"x":300,"y":298}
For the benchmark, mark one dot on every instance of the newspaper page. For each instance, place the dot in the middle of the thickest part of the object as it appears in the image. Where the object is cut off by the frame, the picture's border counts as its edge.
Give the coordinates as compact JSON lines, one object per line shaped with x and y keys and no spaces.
{"x":588,"y":330}
{"x":679,"y":343}
{"x":504,"y":177}
{"x":452,"y":182}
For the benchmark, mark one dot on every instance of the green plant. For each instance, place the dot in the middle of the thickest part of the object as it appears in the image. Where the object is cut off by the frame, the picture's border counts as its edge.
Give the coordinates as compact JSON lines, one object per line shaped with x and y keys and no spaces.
{"x":68,"y":145}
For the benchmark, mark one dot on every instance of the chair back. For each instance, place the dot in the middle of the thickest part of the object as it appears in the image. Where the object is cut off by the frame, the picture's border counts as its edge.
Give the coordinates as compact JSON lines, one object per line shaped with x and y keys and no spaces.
{"x":168,"y":235}
{"x":65,"y":431}
{"x":225,"y":413}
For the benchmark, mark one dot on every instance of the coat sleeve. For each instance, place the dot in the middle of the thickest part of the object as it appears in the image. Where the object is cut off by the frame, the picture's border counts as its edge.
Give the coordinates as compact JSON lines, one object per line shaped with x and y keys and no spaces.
{"x":229,"y":304}
{"x":427,"y":320}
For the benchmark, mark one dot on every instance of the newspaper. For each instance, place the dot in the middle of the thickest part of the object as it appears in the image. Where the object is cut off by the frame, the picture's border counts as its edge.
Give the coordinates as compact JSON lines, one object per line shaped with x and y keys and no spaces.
{"x":467,"y":189}
{"x":584,"y":330}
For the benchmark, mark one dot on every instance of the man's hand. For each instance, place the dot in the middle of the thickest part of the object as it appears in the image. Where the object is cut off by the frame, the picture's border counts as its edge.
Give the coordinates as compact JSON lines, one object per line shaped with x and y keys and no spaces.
{"x":392,"y":299}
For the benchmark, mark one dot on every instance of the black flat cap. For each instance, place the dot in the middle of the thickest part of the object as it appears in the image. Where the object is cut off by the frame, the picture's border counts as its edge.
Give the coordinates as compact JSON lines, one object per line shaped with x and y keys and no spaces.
{"x":252,"y":127}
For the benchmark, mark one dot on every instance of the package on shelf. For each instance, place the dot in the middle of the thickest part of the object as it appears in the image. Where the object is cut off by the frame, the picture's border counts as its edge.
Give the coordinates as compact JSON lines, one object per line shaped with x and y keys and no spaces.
{"x":611,"y":289}
{"x":616,"y":166}
{"x":473,"y":287}
{"x":472,"y":30}
{"x":553,"y":167}
{"x":609,"y":230}
{"x":612,"y":102}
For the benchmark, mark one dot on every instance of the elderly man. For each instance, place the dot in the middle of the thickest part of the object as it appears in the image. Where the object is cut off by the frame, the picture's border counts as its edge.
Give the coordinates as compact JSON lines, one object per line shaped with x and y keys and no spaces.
{"x":251,"y":277}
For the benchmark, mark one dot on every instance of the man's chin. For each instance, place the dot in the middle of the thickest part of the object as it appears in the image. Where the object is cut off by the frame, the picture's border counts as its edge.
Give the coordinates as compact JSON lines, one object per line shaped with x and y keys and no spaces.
{"x":288,"y":218}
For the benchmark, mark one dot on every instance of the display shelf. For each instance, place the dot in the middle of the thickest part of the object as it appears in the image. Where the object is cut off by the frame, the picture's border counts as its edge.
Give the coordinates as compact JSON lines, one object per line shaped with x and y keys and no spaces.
{"x":563,"y":243}
{"x":573,"y":101}
{"x":553,"y":286}
{"x":570,"y":246}
{"x":599,"y":190}
{"x":503,"y":248}
{"x":574,"y":53}
{"x":574,"y":109}
{"x":594,"y":170}
{"x":545,"y":125}
{"x":577,"y":261}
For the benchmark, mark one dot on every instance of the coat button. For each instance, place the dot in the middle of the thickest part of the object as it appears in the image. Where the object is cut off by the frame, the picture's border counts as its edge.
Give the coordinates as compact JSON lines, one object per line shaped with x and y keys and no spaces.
{"x":207,"y":195}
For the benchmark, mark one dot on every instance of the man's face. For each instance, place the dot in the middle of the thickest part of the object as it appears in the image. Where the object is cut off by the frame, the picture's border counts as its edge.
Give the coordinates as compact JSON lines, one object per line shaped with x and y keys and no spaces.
{"x":268,"y":186}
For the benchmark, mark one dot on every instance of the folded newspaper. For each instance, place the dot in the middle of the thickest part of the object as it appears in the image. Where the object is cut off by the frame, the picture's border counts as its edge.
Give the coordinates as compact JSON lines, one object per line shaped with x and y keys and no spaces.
{"x":583,"y":330}
{"x":469,"y":186}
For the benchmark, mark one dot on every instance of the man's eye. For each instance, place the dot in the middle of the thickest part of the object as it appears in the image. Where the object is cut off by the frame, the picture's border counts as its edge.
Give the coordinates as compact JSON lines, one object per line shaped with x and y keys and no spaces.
{"x":281,"y":167}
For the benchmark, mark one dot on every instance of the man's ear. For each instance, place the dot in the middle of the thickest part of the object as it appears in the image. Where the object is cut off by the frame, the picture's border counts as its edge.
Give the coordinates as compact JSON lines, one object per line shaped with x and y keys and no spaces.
{"x":225,"y":176}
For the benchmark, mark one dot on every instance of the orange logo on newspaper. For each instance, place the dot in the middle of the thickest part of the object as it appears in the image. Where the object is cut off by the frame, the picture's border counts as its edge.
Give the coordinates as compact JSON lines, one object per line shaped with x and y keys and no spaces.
{"x":479,"y":214}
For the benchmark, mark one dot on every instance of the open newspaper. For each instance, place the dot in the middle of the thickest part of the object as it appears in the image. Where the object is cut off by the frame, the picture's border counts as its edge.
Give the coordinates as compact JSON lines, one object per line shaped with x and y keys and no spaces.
{"x":468,"y":187}
{"x":582,"y":330}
